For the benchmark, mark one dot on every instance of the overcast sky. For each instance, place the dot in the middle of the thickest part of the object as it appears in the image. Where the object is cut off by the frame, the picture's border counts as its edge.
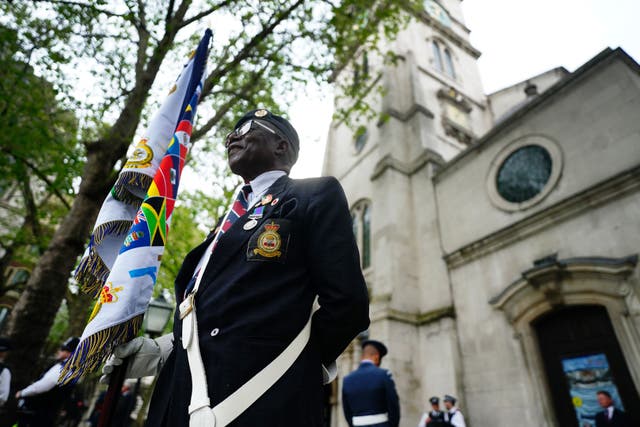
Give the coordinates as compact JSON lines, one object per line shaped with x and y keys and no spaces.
{"x":518,"y":39}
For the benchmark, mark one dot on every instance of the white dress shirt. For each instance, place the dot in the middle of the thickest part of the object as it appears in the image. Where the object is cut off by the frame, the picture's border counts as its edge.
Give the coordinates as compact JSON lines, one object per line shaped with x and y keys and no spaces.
{"x":457,"y":419}
{"x":260,"y":185}
{"x":5,"y":385}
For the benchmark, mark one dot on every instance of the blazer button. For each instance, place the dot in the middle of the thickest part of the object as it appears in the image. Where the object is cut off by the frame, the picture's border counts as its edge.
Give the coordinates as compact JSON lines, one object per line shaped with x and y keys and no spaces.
{"x":215,"y":332}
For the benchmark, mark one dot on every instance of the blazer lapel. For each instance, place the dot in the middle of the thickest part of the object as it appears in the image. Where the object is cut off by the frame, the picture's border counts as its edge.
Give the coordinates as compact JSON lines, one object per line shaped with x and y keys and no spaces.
{"x":191,"y":261}
{"x":236,"y":236}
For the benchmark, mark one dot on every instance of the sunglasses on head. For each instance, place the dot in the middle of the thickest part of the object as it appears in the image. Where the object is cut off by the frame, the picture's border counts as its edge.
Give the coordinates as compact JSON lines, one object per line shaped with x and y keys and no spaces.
{"x":245,"y":128}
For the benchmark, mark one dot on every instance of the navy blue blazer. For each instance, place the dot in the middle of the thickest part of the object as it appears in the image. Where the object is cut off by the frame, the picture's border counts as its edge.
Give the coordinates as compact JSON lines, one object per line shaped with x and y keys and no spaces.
{"x":619,"y":419}
{"x":370,"y":390}
{"x":253,"y":300}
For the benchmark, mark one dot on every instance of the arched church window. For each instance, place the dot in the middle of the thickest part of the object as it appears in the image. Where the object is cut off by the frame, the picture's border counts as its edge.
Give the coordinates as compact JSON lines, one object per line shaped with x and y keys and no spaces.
{"x":448,"y":62}
{"x":366,"y":236}
{"x":437,"y":55}
{"x":361,"y":217}
{"x":360,"y":138}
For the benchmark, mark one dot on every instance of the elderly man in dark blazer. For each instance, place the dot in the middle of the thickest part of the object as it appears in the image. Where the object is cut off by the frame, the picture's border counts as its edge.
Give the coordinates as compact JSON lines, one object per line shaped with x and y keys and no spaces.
{"x":285,"y":243}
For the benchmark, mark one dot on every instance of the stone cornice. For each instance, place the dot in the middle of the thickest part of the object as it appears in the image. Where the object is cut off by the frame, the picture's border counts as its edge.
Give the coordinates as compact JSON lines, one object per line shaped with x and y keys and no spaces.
{"x":405,"y":116}
{"x":416,"y":319}
{"x":406,"y":168}
{"x":551,"y":270}
{"x":603,"y":192}
{"x":452,"y":84}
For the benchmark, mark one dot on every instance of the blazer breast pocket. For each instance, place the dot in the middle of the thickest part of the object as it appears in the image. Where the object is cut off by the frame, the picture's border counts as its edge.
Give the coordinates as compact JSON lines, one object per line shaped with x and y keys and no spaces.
{"x":270,"y":242}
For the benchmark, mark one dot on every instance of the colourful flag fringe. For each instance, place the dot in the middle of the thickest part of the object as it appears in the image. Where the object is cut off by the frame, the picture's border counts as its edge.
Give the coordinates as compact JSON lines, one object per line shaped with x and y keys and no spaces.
{"x":121,"y":263}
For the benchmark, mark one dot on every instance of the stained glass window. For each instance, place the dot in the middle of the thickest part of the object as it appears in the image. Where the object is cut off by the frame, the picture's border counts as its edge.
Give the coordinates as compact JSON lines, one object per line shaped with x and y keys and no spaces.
{"x":524,"y":173}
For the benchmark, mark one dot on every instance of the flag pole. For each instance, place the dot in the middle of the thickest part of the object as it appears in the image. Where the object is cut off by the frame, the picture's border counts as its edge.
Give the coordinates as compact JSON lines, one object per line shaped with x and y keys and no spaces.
{"x":116,"y":381}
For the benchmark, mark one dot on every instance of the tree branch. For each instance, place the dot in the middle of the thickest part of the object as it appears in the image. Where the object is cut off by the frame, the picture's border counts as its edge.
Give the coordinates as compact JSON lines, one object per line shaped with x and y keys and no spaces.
{"x":252,"y":83}
{"x":143,"y":39}
{"x":83,"y":5}
{"x":216,"y":74}
{"x":31,"y":215}
{"x":40,"y":175}
{"x":204,"y":13}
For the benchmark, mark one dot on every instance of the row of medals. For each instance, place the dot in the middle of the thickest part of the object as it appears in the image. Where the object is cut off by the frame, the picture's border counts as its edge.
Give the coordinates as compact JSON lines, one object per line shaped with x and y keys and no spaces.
{"x":258,"y":211}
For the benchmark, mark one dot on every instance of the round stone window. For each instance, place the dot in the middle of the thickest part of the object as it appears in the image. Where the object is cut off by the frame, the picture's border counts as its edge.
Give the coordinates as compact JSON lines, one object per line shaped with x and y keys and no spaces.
{"x":524,"y":172}
{"x":523,"y":175}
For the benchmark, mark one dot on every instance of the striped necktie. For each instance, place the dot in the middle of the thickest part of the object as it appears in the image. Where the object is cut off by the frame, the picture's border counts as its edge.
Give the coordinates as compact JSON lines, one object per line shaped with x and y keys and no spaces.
{"x":238,"y":209}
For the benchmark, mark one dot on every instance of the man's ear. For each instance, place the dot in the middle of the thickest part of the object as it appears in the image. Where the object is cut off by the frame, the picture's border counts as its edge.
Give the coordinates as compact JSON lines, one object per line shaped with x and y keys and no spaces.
{"x":281,"y":147}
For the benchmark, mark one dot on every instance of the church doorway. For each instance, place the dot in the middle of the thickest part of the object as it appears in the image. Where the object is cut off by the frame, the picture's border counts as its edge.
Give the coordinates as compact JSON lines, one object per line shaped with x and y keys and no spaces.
{"x":581,"y":355}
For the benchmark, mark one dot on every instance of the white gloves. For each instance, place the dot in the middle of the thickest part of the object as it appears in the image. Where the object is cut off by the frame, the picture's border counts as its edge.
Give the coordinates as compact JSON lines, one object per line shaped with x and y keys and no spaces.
{"x":329,"y":373}
{"x":146,"y":357}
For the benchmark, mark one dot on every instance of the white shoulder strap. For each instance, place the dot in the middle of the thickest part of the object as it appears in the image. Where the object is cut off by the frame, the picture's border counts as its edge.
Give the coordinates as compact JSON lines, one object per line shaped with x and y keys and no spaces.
{"x":200,"y":414}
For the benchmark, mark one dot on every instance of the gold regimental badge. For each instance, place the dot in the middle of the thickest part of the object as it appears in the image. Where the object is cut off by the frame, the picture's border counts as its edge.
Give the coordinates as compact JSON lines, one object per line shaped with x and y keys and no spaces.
{"x":141,"y":157}
{"x":261,"y":113}
{"x":269,"y":242}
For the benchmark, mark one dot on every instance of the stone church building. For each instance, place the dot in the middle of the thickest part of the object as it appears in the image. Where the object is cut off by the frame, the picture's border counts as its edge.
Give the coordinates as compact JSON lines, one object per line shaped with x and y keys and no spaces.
{"x":499,"y":234}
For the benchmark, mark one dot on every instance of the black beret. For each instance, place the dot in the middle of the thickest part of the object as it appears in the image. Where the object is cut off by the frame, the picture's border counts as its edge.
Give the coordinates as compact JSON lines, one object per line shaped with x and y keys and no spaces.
{"x":382,"y":349}
{"x":285,"y":129}
{"x":5,"y":344}
{"x":70,"y":344}
{"x":448,"y":398}
{"x":434,"y":400}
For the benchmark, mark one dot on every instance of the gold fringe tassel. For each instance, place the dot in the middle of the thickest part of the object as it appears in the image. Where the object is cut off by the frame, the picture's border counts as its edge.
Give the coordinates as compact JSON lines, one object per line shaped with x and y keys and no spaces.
{"x":128,"y":179}
{"x":111,"y":227}
{"x":91,"y":274}
{"x":93,"y":350}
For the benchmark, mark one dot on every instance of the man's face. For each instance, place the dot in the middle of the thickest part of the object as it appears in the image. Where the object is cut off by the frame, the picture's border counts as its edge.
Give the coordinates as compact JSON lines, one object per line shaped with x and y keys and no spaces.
{"x":253,"y":153}
{"x":448,"y":404}
{"x":435,"y":406}
{"x":63,"y":354}
{"x":604,"y":400}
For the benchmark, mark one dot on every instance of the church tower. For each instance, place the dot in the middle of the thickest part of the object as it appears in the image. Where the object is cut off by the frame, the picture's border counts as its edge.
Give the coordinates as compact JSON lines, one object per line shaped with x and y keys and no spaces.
{"x":430,"y":107}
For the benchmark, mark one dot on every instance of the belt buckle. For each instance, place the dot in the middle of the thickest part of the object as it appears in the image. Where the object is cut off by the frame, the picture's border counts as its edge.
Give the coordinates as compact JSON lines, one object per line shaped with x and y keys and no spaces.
{"x":186,"y":306}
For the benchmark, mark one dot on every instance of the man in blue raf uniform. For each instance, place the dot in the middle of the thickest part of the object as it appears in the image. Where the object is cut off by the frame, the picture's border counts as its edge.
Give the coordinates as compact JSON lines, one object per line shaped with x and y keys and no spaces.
{"x":369,"y":395}
{"x":284,"y":243}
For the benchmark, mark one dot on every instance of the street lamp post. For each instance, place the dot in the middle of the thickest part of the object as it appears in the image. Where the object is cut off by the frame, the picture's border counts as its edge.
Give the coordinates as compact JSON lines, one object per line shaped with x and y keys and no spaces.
{"x":157,"y":316}
{"x":155,"y":320}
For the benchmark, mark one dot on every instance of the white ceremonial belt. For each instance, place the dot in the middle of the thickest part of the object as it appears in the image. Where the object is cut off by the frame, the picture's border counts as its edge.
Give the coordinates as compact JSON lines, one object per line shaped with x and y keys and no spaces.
{"x":368,"y":420}
{"x":200,"y":413}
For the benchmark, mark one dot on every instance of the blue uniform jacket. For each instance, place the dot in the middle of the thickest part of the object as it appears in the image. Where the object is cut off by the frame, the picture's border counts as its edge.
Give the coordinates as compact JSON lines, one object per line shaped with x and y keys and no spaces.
{"x":253,"y":300}
{"x":370,"y":390}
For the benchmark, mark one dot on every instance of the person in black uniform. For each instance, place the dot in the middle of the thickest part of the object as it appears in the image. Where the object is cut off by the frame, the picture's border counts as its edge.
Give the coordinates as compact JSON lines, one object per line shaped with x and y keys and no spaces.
{"x":435,"y":417}
{"x":290,"y":242}
{"x":610,"y":416}
{"x":41,"y":401}
{"x":369,"y":395}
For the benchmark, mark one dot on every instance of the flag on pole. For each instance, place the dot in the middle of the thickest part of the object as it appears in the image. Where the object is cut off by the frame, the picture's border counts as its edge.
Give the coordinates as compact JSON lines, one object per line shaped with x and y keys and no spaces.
{"x":121,"y":263}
